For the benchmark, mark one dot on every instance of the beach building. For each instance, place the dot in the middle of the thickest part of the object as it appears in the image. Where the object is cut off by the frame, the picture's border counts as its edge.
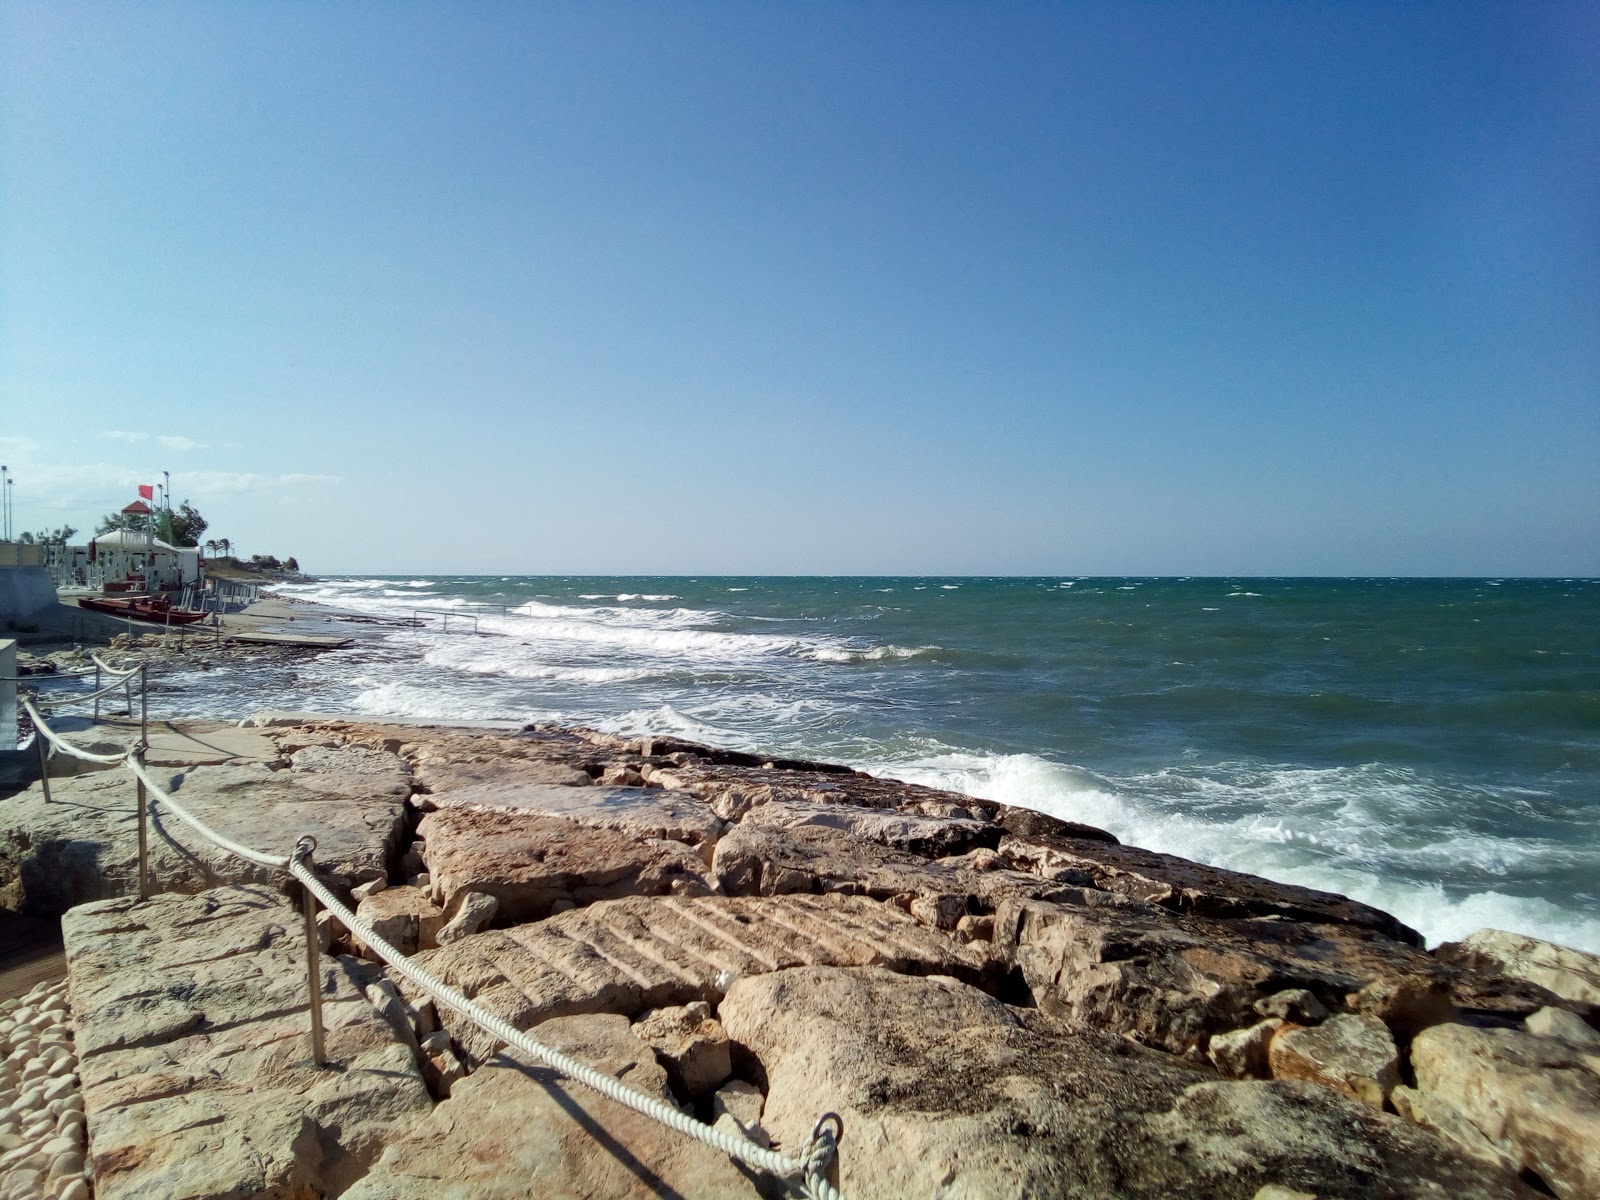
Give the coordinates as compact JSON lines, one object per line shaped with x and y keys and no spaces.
{"x":126,"y":560}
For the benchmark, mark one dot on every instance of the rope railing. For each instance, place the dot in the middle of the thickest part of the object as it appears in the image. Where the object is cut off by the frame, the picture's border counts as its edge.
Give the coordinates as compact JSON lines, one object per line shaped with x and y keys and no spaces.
{"x":807,"y":1171}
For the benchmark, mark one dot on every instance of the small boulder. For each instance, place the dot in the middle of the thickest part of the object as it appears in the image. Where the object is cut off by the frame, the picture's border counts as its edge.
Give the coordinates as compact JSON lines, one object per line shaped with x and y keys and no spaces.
{"x":402,"y":916}
{"x":1353,"y":1055}
{"x":1532,"y":1097}
{"x":471,"y":912}
{"x":1242,"y":1054}
{"x":691,"y":1045}
{"x":1293,"y":1004}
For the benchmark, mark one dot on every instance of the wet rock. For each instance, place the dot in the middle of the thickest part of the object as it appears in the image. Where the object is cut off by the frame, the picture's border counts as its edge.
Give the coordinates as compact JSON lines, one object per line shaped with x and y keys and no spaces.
{"x":1353,"y":1055}
{"x":1187,"y":887}
{"x":912,"y":832}
{"x":1532,"y":1097}
{"x":528,"y":863}
{"x":512,"y":1130}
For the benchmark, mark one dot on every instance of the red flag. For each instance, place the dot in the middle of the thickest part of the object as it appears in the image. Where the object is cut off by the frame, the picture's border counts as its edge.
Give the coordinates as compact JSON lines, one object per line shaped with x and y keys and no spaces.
{"x":147,"y":491}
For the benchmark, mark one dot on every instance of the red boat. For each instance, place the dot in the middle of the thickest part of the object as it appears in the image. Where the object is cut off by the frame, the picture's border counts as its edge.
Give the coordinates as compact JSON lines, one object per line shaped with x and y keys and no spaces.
{"x":144,"y":608}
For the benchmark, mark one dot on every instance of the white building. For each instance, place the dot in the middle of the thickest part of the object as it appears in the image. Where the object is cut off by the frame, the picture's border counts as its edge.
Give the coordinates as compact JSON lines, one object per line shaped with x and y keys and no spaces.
{"x":130,"y":557}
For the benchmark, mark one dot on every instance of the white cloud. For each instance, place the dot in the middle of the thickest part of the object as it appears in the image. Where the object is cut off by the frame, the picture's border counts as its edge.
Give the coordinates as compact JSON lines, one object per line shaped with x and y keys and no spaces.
{"x":176,"y":442}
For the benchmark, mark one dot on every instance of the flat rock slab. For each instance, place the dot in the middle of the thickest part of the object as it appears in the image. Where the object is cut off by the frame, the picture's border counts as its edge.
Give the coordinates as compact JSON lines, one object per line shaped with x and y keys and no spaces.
{"x":628,"y":956}
{"x":945,"y":1091}
{"x":638,"y":812}
{"x":82,"y":845}
{"x":195,"y":743}
{"x":532,"y":864}
{"x":513,"y":1130}
{"x":192,"y":1034}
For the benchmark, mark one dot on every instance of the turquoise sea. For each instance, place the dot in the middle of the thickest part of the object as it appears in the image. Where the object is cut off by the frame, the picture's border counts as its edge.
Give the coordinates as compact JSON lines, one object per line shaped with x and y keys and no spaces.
{"x":1429,"y":746}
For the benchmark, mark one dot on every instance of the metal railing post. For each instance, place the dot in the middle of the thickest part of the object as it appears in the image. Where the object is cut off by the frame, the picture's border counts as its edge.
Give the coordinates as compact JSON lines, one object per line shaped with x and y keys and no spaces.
{"x":319,"y":1054}
{"x":144,"y":704}
{"x":44,"y":761}
{"x":97,"y":691}
{"x":144,"y":839}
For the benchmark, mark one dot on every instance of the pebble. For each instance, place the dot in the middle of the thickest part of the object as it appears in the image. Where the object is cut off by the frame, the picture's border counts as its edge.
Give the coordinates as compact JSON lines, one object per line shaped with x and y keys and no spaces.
{"x":42,"y":1126}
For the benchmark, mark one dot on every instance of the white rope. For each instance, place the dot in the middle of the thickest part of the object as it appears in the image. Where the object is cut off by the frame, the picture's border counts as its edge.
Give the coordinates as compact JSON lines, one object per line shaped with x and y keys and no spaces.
{"x":61,"y":743}
{"x":808,"y":1170}
{"x":810,"y":1167}
{"x":136,"y":765}
{"x":109,"y":669}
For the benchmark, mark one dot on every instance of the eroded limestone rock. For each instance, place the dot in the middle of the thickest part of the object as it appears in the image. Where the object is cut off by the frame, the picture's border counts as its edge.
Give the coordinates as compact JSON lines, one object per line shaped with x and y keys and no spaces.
{"x":512,"y":1130}
{"x":530,"y":863}
{"x":1571,"y":974}
{"x":945,"y":1091}
{"x":691,"y":1044}
{"x":1533,"y":1098}
{"x":629,"y":956}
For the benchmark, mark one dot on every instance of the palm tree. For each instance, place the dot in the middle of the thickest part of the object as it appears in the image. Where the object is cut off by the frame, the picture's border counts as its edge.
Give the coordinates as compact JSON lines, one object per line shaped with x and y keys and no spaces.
{"x":211,"y":547}
{"x":226,"y":546}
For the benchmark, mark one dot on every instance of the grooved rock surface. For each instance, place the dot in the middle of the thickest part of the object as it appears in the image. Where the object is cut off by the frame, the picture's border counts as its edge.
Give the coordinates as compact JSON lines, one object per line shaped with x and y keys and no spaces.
{"x":530,"y":864}
{"x":946,"y":1091}
{"x":513,"y":1130}
{"x":194,"y":1054}
{"x":1533,"y":1098}
{"x":83,"y":845}
{"x":628,"y":956}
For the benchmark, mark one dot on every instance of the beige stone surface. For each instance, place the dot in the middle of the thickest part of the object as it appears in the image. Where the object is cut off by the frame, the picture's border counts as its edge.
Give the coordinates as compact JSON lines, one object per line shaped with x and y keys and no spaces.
{"x":1242,"y":1054}
{"x":1532,"y":1097}
{"x":531,"y":864}
{"x":512,"y":1130}
{"x":83,"y":844}
{"x":944,"y":1091}
{"x":636,"y":811}
{"x":192,"y":1037}
{"x":402,"y":916}
{"x":630,"y":956}
{"x":691,"y":1044}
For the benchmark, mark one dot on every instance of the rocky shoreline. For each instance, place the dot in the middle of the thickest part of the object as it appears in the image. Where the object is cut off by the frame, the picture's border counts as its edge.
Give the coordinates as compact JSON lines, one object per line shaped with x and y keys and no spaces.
{"x":995,"y":1002}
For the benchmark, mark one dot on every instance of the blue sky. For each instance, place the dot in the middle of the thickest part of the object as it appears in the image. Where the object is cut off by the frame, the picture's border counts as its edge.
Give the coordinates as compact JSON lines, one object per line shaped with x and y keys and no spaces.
{"x":822,"y":288}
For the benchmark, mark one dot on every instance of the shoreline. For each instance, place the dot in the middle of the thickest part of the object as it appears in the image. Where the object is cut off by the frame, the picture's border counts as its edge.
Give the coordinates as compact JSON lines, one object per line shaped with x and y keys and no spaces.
{"x":1049,"y":952}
